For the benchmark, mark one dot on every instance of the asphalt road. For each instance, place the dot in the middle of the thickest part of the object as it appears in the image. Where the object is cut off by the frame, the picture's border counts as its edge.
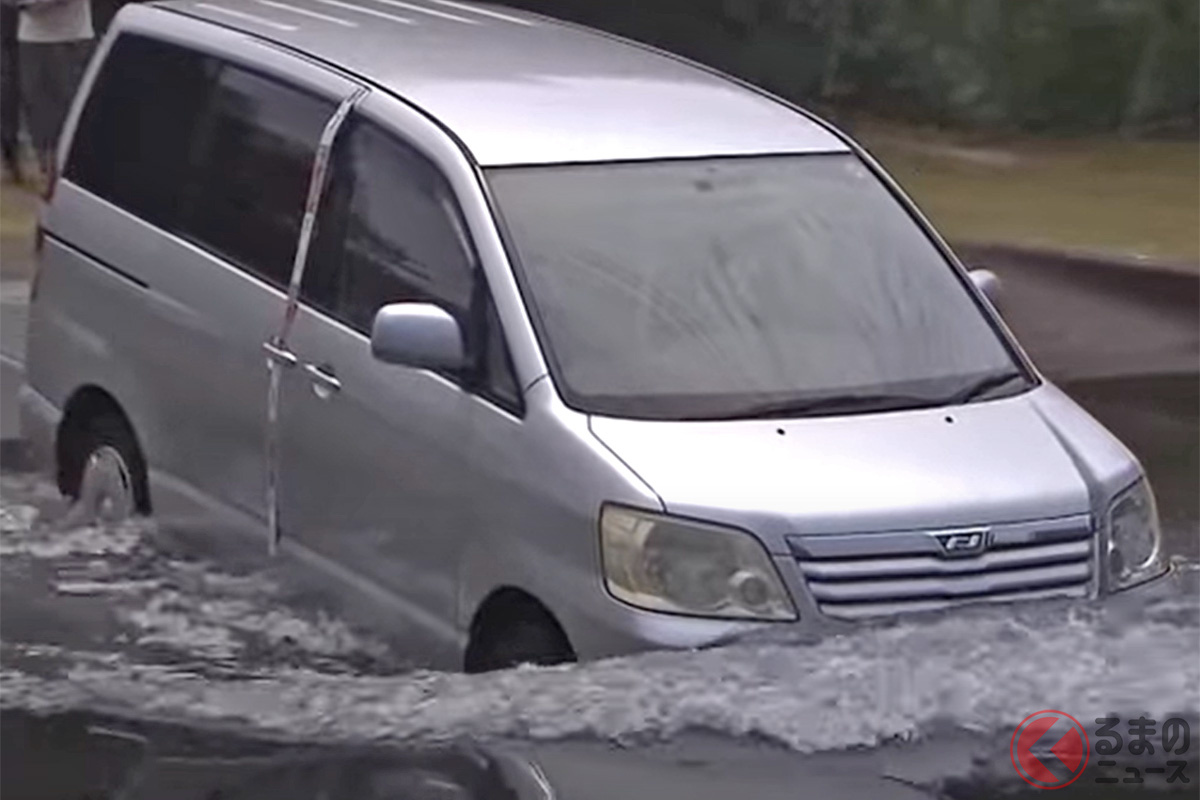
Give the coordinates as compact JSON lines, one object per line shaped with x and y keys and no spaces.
{"x":146,"y":760}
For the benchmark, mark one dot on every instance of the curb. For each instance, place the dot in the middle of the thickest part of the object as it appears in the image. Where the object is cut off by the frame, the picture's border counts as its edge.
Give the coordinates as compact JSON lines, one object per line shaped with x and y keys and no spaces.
{"x":978,"y":251}
{"x":1173,"y":287}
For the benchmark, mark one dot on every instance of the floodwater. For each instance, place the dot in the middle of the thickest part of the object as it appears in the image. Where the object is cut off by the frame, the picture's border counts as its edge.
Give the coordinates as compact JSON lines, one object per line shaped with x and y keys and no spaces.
{"x":123,"y":621}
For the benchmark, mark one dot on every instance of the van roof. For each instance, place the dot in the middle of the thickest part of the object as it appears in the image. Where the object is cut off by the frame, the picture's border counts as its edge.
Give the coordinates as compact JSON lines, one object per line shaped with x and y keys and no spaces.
{"x":518,"y":88}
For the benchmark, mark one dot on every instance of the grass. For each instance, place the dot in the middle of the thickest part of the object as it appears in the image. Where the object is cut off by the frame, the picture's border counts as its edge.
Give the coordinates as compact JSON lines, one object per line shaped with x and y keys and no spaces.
{"x":18,"y":211}
{"x":1105,"y":196}
{"x":18,"y":214}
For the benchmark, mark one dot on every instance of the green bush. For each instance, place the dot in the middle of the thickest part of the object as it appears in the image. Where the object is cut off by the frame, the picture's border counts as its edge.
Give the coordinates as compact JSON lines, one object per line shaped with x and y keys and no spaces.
{"x":1130,"y":65}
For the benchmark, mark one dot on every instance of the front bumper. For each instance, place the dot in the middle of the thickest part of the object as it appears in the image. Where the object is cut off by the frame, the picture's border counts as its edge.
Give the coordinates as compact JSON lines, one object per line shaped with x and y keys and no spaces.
{"x":607,"y":627}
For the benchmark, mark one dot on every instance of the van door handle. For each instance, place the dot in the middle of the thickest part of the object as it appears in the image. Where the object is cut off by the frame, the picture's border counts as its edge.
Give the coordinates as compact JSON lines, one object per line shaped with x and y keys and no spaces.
{"x":324,"y":382}
{"x":280,"y":354}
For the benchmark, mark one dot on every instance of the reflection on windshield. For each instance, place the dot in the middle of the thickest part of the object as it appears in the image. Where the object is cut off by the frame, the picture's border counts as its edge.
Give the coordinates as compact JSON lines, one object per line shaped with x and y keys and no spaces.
{"x":708,"y":288}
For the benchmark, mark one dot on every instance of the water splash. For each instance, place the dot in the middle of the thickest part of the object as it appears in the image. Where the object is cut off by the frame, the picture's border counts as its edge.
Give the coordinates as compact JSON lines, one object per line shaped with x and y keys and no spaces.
{"x":981,"y":669}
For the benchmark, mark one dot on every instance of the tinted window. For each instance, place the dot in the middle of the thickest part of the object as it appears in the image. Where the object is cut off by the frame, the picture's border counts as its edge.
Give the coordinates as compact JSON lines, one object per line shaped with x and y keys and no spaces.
{"x":389,"y":231}
{"x":205,"y":149}
{"x":254,"y":155}
{"x":131,"y":146}
{"x":740,"y":287}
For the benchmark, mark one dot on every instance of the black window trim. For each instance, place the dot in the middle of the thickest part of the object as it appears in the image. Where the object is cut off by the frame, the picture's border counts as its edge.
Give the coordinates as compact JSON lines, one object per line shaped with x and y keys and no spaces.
{"x":481,"y":385}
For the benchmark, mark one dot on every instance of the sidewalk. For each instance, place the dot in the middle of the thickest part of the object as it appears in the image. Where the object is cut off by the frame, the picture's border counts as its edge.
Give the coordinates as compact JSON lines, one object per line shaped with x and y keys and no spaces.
{"x":18,"y":215}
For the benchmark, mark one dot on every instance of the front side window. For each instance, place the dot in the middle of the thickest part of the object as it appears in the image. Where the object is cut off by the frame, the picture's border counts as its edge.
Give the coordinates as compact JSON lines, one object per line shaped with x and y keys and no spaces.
{"x":389,"y":231}
{"x":741,"y":287}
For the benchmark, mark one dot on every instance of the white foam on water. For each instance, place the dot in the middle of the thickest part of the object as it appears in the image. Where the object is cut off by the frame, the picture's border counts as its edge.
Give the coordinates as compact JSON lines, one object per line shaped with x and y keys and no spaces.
{"x":97,"y":587}
{"x":215,"y":627}
{"x":20,"y":536}
{"x":982,"y":671}
{"x":981,"y":668}
{"x":191,"y":608}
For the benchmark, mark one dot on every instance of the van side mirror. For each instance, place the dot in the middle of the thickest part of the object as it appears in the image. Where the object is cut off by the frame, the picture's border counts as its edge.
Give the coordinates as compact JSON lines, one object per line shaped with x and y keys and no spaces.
{"x":420,"y":335}
{"x":987,"y":282}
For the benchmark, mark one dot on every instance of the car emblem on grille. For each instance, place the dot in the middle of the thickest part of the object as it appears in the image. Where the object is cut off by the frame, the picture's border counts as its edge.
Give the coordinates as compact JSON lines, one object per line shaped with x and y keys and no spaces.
{"x":963,"y":543}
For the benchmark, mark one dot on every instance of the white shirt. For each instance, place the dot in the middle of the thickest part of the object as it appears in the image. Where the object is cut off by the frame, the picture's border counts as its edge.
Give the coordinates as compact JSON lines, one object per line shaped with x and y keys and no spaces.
{"x":56,"y":21}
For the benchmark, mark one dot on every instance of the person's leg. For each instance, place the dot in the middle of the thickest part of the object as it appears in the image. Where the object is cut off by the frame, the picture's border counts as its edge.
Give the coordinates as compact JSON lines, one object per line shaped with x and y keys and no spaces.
{"x":64,"y":71}
{"x":54,"y":79}
{"x":35,"y":58}
{"x":10,"y":92}
{"x":43,"y":73}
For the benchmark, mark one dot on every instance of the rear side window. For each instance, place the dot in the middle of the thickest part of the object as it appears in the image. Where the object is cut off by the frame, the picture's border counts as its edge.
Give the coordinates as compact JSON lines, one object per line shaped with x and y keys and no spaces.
{"x":208,"y":150}
{"x":254,"y":154}
{"x":131,"y":145}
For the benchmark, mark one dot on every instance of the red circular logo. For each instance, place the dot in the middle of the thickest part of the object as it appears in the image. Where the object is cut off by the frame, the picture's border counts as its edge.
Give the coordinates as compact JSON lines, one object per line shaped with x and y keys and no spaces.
{"x":1049,"y":749}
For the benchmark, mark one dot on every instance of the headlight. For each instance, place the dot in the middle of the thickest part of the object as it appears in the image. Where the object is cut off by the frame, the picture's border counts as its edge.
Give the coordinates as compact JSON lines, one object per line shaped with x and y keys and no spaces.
{"x":663,"y":563}
{"x":1134,"y":540}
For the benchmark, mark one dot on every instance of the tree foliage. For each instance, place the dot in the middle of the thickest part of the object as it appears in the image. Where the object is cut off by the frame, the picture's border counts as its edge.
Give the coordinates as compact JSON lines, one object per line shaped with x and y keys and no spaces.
{"x":1129,"y":65}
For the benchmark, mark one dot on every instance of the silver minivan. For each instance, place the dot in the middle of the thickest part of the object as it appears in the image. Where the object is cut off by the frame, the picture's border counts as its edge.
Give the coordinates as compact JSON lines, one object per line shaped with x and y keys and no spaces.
{"x":552,"y":345}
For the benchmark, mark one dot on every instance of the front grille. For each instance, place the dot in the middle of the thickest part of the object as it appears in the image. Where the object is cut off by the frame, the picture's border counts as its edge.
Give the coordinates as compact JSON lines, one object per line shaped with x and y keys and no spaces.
{"x":877,"y":574}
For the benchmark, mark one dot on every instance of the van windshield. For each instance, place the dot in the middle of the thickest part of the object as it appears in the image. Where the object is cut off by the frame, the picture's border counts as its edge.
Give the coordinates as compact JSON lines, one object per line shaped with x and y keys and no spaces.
{"x":742,"y":287}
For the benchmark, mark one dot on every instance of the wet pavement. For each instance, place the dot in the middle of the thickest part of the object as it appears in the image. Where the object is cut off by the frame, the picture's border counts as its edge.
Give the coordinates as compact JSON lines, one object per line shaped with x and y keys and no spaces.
{"x":1124,"y":342}
{"x":146,"y":760}
{"x":1158,"y":418}
{"x":247,"y":682}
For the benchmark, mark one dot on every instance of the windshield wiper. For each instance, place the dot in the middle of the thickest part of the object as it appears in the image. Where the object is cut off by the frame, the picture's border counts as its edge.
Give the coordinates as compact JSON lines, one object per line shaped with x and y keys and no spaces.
{"x":862,"y":403}
{"x":982,"y":387}
{"x":840,"y":402}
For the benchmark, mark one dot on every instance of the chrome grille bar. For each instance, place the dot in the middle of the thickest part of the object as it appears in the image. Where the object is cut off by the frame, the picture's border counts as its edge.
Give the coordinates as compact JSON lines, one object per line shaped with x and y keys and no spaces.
{"x":886,"y":609}
{"x":862,"y":575}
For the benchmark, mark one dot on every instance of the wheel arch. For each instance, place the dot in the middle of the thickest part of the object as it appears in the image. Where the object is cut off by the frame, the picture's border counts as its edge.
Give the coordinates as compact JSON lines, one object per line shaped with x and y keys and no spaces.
{"x":507,"y":603}
{"x":87,"y":402}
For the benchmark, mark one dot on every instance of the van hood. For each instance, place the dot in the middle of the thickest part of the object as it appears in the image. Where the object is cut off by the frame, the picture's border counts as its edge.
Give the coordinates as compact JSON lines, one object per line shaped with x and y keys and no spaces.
{"x":975,"y":464}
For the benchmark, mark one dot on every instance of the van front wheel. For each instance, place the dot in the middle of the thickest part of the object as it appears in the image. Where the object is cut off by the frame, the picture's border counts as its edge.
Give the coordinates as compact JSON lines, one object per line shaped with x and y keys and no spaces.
{"x":517,"y":631}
